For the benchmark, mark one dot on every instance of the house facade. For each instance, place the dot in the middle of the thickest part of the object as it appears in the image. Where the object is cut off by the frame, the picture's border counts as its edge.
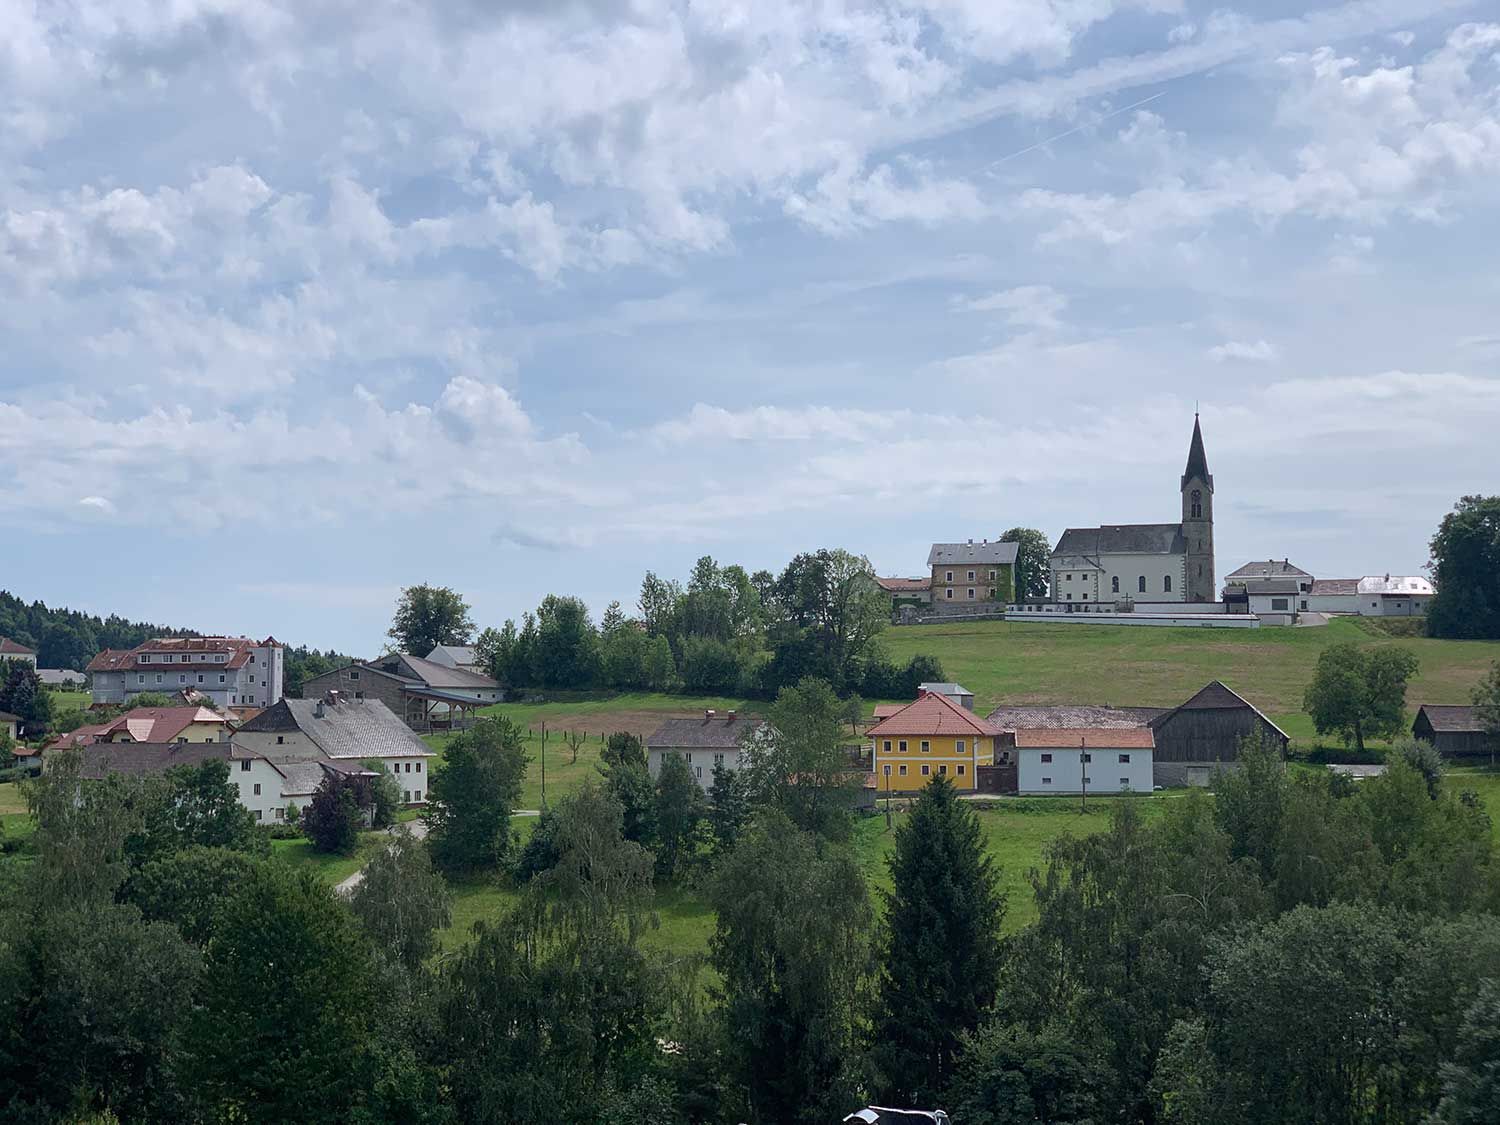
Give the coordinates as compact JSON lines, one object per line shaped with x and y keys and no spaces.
{"x":335,"y":729}
{"x":1206,"y":732}
{"x":967,"y":574}
{"x":14,"y":650}
{"x":704,"y":742}
{"x":10,"y":725}
{"x":931,"y":737}
{"x":1394,"y":596}
{"x":1155,"y":562}
{"x":915,"y":592}
{"x":1084,"y":760}
{"x":232,"y":671}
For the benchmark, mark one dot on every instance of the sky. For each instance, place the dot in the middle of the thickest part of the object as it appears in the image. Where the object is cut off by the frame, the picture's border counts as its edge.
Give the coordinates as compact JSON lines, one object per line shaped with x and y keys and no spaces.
{"x":302,"y":302}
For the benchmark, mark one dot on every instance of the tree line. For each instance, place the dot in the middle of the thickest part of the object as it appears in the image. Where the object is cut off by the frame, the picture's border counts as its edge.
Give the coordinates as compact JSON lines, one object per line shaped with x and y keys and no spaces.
{"x":67,"y":638}
{"x":1295,"y":948}
{"x":724,"y":631}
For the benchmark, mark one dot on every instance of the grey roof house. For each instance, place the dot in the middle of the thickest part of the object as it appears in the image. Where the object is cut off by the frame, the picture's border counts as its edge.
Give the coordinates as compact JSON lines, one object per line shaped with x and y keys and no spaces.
{"x":704,"y":741}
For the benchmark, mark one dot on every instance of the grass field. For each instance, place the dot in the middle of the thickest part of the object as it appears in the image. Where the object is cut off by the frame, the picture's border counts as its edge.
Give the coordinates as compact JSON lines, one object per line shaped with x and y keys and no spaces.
{"x":331,"y":868}
{"x":597,"y":718}
{"x":1007,"y":662}
{"x":70,"y":701}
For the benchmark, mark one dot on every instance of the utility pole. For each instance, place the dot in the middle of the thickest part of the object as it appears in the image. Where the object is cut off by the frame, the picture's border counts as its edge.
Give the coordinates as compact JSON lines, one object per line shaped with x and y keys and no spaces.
{"x":544,"y":765}
{"x":887,"y":796}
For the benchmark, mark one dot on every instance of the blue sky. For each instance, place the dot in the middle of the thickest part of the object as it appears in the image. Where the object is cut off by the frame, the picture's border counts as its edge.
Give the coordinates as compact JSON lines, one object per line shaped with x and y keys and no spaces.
{"x":303,"y":302}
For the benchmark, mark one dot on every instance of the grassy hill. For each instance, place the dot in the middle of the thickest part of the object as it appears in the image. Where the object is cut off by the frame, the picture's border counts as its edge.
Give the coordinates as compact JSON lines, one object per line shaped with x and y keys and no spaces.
{"x":1007,"y":662}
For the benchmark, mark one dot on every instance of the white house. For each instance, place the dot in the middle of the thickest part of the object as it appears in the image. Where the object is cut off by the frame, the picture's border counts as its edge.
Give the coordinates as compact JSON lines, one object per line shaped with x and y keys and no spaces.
{"x":704,"y":742}
{"x":1072,"y":760}
{"x":339,"y":733}
{"x":232,"y":671}
{"x":1394,"y":596}
{"x":14,"y":650}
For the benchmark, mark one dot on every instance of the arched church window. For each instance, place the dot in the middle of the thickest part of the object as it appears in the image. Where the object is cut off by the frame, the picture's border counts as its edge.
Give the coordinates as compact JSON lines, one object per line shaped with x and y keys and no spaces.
{"x":1197,"y":504}
{"x":1114,"y":584}
{"x":1141,"y":584}
{"x":1166,"y":583}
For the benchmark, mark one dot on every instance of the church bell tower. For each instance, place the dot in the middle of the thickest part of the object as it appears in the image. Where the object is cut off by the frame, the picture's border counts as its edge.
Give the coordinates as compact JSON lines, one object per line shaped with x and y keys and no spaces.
{"x":1198,"y":521}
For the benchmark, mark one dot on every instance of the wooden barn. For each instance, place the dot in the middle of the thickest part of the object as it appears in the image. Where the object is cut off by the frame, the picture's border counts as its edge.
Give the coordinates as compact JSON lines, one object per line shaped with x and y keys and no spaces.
{"x":1453,"y":730}
{"x":1206,"y":731}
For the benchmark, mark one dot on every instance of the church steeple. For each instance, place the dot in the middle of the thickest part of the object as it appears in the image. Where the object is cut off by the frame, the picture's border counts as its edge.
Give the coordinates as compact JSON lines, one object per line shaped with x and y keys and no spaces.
{"x":1197,"y":462}
{"x":1198,"y":522}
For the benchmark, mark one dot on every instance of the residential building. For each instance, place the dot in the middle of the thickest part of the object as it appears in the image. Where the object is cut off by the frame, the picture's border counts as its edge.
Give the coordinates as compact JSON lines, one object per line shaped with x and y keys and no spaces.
{"x":1276,"y":601}
{"x":1270,"y":568}
{"x":916,"y":592}
{"x":232,"y":671}
{"x":968,"y":574}
{"x":338,"y":729}
{"x":1453,"y":730}
{"x":1084,"y":760}
{"x":931,"y":737}
{"x":429,"y":696}
{"x":457,"y":656}
{"x":1394,"y":596}
{"x":14,"y":650}
{"x":704,"y":742}
{"x":1334,"y":595}
{"x":11,"y":725}
{"x":1155,"y":562}
{"x":955,"y":692}
{"x":156,"y":725}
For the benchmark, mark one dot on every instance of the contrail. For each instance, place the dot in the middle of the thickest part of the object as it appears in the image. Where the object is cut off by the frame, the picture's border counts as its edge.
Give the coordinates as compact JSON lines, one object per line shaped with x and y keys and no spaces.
{"x":1076,"y":129}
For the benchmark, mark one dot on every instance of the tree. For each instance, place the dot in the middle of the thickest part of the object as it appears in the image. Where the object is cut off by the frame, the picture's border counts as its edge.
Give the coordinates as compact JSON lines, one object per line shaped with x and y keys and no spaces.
{"x":1033,"y":562}
{"x":428,"y":616}
{"x":1359,"y":691}
{"x":1466,"y":571}
{"x":334,"y":817}
{"x":385,"y":794}
{"x":1010,"y":1075}
{"x":567,"y":646}
{"x":22,"y":694}
{"x":728,"y":808}
{"x":473,"y":795}
{"x":799,"y":764}
{"x":186,"y":887}
{"x":941,"y":955}
{"x":628,"y":780}
{"x":190,"y":806}
{"x":1487,"y":704}
{"x":679,"y":812}
{"x":402,"y":902}
{"x":287,"y":1004}
{"x":659,"y":669}
{"x":1471,"y":1079}
{"x":792,"y":948}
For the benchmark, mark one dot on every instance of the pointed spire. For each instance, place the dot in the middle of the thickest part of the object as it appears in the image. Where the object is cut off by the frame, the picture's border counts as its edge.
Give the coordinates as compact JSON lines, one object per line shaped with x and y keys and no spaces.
{"x":1197,"y":462}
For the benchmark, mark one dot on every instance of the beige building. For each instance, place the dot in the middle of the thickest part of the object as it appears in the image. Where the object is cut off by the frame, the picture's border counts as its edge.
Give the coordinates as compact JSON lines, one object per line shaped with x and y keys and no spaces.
{"x":972,"y":573}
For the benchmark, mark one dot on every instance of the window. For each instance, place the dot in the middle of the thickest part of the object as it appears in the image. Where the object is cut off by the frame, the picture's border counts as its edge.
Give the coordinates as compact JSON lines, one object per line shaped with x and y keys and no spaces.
{"x":888,"y":769}
{"x":200,"y":677}
{"x":416,"y":794}
{"x":158,"y":677}
{"x":278,"y":813}
{"x":1046,"y":757}
{"x":1197,"y":504}
{"x":1088,"y":780}
{"x":901,"y":746}
{"x":959,"y":746}
{"x":1124,"y":783}
{"x":1067,"y":577}
{"x":280,"y":740}
{"x":971,"y":593}
{"x":419,"y":767}
{"x":257,"y":789}
{"x":259,"y":815}
{"x":353,"y":675}
{"x":960,"y":769}
{"x":926,"y":770}
{"x":971,"y":576}
{"x":245,"y":765}
{"x":1046,"y":781}
{"x":718,"y":760}
{"x":140,"y":679}
{"x":1141,"y":584}
{"x":1085,"y":595}
{"x":949,"y":577}
{"x":181,"y":679}
{"x":250,"y":698}
{"x":1279,"y":603}
{"x":1070,"y":597}
{"x":942,"y":771}
{"x":1125,"y":759}
{"x":406,"y":795}
{"x":1114,"y":584}
{"x":1304,"y":603}
{"x":926,"y":746}
{"x":902,"y":769}
{"x":887,"y":746}
{"x":221,"y":677}
{"x":1166,"y":583}
{"x":359,"y":695}
{"x":949,"y":593}
{"x":1087,"y":757}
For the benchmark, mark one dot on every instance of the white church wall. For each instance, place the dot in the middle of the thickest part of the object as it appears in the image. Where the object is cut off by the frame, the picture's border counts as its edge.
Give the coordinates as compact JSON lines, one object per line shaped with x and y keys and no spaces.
{"x":1129,"y":569}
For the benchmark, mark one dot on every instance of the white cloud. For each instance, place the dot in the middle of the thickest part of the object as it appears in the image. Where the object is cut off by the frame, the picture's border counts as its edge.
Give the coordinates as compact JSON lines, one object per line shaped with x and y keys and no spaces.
{"x":1257,"y":351}
{"x":1026,"y":306}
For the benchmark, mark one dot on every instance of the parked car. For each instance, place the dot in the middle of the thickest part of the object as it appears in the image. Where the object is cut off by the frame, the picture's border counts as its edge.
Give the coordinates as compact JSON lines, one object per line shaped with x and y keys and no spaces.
{"x":880,"y":1115}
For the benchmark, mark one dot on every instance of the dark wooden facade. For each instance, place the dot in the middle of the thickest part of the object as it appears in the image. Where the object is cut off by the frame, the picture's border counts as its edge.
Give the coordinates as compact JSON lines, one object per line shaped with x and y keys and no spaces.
{"x":1211,"y":726}
{"x":1454,"y":731}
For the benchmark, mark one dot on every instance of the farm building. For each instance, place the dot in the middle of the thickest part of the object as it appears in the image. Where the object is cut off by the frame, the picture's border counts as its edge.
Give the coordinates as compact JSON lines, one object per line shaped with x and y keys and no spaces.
{"x":1453,"y":730}
{"x":1059,"y":760}
{"x":1206,"y":731}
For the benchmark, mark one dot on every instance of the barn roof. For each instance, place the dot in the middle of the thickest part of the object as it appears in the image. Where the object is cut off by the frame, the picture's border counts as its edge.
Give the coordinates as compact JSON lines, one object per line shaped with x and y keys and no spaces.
{"x":1072,"y":717}
{"x":1217,"y":696}
{"x":1451,"y":719}
{"x":1087,"y":738}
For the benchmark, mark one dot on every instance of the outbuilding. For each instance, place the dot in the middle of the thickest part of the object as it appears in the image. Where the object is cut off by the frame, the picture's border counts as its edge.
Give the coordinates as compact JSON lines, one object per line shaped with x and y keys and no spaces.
{"x":1453,"y":730}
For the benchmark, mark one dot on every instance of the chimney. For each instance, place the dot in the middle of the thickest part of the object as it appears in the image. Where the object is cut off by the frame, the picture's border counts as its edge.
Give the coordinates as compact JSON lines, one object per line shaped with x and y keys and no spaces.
{"x":708,"y":714}
{"x":318,"y":710}
{"x":730,"y":716}
{"x":332,"y":697}
{"x":971,"y":542}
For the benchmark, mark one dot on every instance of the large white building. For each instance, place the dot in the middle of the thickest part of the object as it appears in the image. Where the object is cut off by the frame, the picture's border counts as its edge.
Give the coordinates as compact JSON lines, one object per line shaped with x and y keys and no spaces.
{"x":231,"y":671}
{"x":1151,"y":562}
{"x":1083,"y":760}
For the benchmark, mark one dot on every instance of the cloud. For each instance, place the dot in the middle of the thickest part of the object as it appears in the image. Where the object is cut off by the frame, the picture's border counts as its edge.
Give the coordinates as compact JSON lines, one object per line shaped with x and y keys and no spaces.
{"x":1258,"y":351}
{"x":97,"y":503}
{"x":1026,"y":306}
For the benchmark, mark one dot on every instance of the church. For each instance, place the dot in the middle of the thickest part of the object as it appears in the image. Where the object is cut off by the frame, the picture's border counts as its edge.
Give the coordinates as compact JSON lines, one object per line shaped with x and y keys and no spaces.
{"x":1144,"y":562}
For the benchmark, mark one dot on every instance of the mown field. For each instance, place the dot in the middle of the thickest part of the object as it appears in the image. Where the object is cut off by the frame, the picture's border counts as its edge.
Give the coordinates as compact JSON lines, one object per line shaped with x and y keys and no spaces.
{"x":1007,"y":662}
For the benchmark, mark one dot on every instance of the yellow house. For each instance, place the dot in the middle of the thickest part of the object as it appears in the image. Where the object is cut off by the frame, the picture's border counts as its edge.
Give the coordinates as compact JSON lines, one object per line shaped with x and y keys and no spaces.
{"x":166,"y":724}
{"x":933,"y":737}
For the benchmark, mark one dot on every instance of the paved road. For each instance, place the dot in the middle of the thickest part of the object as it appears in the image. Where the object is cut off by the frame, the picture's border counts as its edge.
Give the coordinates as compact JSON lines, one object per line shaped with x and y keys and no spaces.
{"x":418,"y":828}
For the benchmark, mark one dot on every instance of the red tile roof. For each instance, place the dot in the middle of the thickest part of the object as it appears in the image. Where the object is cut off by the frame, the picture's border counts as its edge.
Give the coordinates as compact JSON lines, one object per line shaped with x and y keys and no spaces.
{"x":143,"y":724}
{"x":933,"y":714}
{"x":1127,"y":738}
{"x":9,"y":647}
{"x":904,"y":585}
{"x":884,"y":711}
{"x":183,"y":648}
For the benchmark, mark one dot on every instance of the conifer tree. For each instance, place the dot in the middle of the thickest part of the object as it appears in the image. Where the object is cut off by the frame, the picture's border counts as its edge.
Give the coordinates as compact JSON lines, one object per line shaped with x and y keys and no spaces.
{"x":941,"y":960}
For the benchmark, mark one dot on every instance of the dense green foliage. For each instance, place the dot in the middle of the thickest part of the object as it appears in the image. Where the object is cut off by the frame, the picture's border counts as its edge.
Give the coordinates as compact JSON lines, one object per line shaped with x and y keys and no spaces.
{"x":22,"y":695}
{"x":473,"y":795}
{"x":1466,"y":571}
{"x":337,"y":812}
{"x":65,"y":638}
{"x":428,"y":616}
{"x":1033,"y":562}
{"x":402,"y":901}
{"x":1359,"y":692}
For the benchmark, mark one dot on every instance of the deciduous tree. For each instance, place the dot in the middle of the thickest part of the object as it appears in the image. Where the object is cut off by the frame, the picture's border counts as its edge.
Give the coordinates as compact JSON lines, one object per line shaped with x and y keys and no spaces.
{"x":1466,"y":571}
{"x":428,"y":616}
{"x":1360,"y":691}
{"x":473,"y":794}
{"x":402,"y":901}
{"x":1033,"y":561}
